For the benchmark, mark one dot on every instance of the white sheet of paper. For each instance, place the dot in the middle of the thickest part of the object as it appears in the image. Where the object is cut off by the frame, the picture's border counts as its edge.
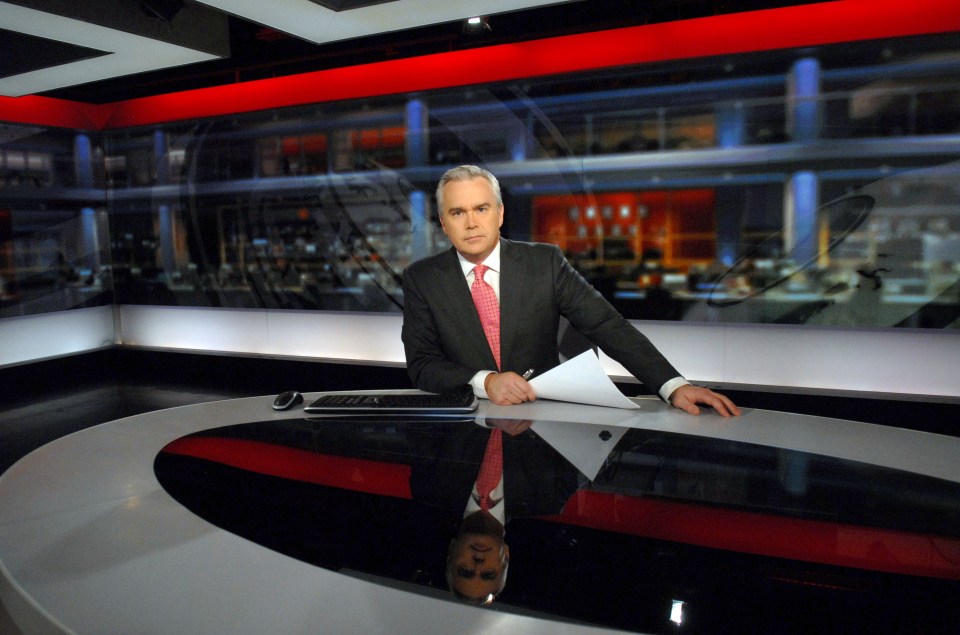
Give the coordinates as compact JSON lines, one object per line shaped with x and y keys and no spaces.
{"x":580,"y":380}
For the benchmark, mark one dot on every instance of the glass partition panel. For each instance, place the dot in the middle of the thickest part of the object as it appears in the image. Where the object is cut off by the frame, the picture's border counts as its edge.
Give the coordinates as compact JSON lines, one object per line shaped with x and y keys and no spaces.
{"x":714,"y":193}
{"x":54,"y":243}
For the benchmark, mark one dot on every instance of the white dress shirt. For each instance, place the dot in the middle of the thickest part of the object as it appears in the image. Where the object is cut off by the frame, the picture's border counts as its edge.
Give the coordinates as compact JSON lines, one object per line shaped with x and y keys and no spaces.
{"x":499,"y":507}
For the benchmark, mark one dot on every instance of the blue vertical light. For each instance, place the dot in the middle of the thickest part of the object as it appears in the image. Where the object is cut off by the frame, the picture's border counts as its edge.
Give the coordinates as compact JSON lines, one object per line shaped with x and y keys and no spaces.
{"x":83,"y":159}
{"x":520,"y":139}
{"x":160,"y":157}
{"x":731,"y":133}
{"x":803,"y":124}
{"x":729,"y":211}
{"x":803,"y":200}
{"x":419,"y":226}
{"x":803,"y":100}
{"x":90,"y":240}
{"x":731,"y":125}
{"x":167,"y":251}
{"x":164,"y":216}
{"x":417,"y":133}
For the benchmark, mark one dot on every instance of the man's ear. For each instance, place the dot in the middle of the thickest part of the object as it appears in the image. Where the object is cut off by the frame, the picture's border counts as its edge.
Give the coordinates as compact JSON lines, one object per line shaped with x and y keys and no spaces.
{"x":501,"y":216}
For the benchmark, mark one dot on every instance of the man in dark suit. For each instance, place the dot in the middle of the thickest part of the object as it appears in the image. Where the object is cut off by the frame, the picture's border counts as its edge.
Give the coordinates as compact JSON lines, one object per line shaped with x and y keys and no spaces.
{"x":445,"y":342}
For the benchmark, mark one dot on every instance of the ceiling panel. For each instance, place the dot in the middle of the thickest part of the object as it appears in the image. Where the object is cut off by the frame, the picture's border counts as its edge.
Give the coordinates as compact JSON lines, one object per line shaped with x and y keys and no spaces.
{"x":131,"y":41}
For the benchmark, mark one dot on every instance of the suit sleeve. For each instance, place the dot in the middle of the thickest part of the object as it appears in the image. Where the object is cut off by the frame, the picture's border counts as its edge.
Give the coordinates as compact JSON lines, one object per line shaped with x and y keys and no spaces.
{"x":590,"y":313}
{"x":428,"y":365}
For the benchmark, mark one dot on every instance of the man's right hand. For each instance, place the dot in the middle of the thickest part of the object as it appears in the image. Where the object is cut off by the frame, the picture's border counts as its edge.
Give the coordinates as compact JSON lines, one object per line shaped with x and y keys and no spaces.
{"x":505,"y":389}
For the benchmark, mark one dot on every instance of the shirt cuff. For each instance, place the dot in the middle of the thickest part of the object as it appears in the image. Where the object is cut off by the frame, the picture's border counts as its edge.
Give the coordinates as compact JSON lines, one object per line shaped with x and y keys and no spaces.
{"x":667,"y":389}
{"x":477,"y":383}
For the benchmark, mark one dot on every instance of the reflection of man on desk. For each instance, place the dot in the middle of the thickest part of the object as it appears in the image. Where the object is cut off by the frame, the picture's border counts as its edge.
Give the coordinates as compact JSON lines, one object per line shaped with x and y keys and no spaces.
{"x":519,"y":475}
{"x":488,"y":310}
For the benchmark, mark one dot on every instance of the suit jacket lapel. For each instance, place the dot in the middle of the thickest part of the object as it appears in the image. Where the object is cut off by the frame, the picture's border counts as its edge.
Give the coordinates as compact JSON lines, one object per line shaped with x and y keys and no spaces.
{"x":512,"y":279}
{"x":455,"y":288}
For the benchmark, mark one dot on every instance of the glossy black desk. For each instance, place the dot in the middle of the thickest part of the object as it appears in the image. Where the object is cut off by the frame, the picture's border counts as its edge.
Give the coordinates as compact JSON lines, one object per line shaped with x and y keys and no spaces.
{"x":270,"y":522}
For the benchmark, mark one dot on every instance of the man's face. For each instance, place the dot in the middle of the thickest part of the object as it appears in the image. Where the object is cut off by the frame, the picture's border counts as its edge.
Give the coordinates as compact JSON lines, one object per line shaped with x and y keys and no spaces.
{"x":479,"y":564}
{"x":471,"y":218}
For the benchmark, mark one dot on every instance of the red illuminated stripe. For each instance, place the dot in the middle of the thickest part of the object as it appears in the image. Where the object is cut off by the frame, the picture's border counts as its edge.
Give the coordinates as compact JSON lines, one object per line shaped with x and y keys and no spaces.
{"x":60,"y":113}
{"x":372,"y":477}
{"x":776,"y":536}
{"x":783,"y":28}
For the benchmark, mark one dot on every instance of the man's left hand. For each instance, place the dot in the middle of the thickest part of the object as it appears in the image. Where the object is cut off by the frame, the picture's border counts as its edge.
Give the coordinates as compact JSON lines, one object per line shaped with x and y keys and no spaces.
{"x":688,"y":396}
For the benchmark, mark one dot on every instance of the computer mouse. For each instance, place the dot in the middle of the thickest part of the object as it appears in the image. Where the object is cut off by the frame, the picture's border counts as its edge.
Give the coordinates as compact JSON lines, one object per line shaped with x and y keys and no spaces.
{"x":287,"y":400}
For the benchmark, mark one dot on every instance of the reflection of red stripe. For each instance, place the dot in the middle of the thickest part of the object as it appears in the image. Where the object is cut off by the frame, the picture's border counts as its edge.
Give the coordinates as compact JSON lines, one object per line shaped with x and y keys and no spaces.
{"x":746,"y":532}
{"x":372,"y":477}
{"x":777,"y":536}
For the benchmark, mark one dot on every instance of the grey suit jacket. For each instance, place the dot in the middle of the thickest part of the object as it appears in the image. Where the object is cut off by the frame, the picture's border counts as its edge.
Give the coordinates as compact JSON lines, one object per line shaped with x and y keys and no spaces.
{"x":444,"y":342}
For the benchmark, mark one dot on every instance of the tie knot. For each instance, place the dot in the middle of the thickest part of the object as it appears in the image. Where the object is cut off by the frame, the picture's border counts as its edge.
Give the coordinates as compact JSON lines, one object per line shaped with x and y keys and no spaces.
{"x":479,"y":270}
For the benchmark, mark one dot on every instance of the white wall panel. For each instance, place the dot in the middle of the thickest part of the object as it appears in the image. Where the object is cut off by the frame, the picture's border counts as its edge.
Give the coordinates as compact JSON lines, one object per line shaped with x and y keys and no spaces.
{"x":698,"y":352}
{"x":890,"y":360}
{"x":897,"y":361}
{"x":360,"y":337}
{"x":195,"y":329}
{"x":341,"y":336}
{"x":36,"y":337}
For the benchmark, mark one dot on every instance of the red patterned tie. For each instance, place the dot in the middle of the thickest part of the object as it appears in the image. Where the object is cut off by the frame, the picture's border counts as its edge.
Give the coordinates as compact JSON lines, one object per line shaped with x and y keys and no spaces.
{"x":491,"y":469}
{"x":489,"y":310}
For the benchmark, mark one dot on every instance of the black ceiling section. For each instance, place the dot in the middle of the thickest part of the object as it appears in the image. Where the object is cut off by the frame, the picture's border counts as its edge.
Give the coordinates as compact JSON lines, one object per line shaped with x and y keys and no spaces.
{"x":25,"y":53}
{"x":165,"y":10}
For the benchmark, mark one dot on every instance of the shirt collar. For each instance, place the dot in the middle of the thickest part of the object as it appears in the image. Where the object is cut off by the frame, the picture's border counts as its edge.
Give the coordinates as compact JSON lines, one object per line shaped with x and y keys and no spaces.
{"x":492,"y":261}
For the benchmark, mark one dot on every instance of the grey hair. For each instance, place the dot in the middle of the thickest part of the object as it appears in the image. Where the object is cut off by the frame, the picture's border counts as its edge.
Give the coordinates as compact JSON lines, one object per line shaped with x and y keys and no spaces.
{"x":465,"y":173}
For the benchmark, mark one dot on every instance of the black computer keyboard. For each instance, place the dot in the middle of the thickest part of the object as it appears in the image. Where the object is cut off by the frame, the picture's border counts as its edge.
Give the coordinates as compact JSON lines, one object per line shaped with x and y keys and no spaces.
{"x":373,"y":403}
